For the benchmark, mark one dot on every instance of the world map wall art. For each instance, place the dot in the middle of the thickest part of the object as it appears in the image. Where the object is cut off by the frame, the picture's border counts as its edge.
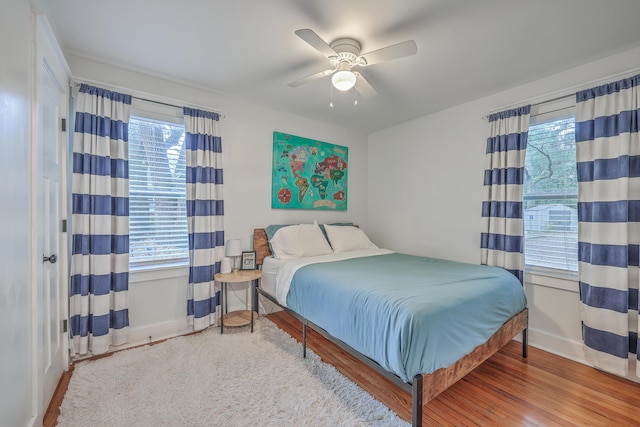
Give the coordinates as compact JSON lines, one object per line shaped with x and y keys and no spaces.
{"x":308,"y":174}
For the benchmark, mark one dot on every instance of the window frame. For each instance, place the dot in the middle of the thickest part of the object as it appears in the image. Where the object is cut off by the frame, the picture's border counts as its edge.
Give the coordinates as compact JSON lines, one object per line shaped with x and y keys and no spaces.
{"x":543,"y":112}
{"x":166,"y":113}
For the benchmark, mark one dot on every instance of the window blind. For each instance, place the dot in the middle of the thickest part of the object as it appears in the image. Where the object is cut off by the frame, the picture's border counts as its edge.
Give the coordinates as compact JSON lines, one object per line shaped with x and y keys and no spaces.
{"x":551,"y":192}
{"x":157,"y":206}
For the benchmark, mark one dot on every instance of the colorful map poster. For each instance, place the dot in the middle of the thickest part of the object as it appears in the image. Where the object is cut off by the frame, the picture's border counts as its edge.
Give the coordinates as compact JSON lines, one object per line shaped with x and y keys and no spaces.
{"x":308,"y":174}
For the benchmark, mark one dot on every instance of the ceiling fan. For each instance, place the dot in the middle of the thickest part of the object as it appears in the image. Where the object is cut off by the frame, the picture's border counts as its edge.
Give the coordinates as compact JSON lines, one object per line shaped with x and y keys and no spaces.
{"x":345,"y":58}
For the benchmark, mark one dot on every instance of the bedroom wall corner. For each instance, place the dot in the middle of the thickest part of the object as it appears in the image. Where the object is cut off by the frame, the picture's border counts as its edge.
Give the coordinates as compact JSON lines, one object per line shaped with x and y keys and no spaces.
{"x":429,"y":198}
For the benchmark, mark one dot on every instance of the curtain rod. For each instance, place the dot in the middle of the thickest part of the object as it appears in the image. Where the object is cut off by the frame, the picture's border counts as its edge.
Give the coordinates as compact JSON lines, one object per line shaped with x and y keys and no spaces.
{"x":78,"y":82}
{"x":172,"y":105}
{"x":546,"y":101}
{"x":564,"y":93}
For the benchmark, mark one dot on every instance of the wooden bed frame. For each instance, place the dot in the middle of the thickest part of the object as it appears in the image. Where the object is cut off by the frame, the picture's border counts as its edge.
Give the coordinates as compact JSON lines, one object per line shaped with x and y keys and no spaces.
{"x":424,"y":387}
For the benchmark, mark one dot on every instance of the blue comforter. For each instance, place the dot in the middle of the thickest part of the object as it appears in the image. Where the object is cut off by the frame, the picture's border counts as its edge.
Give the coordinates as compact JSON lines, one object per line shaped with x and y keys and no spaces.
{"x":410,"y":314}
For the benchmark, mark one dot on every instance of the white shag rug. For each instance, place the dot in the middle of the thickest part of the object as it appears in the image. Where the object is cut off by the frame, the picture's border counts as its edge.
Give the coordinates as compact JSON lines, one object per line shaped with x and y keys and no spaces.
{"x":208,"y":379}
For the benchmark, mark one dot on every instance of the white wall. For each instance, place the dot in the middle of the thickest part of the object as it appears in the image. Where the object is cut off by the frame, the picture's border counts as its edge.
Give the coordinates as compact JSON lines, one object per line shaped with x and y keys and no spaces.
{"x":425,"y":191}
{"x":158,"y":299}
{"x":15,"y":281}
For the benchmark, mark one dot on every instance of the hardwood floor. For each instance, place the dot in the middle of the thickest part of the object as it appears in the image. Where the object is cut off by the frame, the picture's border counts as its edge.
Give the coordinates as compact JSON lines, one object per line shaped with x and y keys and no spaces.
{"x":53,"y":410}
{"x":506,"y":390}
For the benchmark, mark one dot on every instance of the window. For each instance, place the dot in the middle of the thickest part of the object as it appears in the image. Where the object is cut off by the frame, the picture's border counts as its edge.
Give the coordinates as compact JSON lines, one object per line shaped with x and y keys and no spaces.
{"x":157,"y":207}
{"x":551,"y":190}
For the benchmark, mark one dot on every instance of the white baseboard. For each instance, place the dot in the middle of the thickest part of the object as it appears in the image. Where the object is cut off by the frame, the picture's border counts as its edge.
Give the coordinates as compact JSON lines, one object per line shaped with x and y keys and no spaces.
{"x":157,"y":332}
{"x":559,"y":346}
{"x":566,"y":348}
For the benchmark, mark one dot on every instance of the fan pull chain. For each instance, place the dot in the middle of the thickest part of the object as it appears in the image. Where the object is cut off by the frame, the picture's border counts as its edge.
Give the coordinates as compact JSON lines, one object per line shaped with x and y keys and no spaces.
{"x":331,"y":101}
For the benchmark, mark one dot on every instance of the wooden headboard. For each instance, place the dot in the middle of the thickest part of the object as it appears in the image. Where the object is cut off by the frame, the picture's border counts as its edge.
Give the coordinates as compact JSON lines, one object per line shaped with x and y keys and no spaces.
{"x":261,"y":245}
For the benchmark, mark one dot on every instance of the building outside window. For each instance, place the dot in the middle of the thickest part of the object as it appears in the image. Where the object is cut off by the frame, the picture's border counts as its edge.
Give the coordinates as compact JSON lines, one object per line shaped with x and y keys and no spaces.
{"x":551,"y":191}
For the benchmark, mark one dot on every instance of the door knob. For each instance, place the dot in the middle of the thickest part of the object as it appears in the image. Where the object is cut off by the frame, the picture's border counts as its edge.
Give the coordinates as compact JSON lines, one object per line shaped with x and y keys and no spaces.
{"x":52,"y":259}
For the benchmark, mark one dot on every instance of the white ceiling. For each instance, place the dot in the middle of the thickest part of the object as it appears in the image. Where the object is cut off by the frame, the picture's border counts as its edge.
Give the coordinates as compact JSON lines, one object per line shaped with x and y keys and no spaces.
{"x":247,"y":49}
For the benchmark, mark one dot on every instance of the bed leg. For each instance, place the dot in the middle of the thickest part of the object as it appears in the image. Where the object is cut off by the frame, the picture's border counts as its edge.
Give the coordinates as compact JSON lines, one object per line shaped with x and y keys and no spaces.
{"x":524,"y":343}
{"x":304,"y":339}
{"x":416,"y":401}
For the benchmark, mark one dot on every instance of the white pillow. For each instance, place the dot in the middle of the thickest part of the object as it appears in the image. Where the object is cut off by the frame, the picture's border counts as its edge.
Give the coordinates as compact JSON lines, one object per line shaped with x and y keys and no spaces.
{"x":298,"y":241}
{"x":345,"y":239}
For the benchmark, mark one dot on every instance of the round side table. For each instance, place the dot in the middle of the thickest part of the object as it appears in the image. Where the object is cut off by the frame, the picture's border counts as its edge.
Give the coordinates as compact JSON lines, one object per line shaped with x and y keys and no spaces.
{"x":238,"y":317}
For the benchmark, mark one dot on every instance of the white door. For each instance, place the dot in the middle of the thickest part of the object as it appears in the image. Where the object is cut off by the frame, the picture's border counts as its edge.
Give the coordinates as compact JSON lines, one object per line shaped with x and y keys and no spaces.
{"x":51,"y":346}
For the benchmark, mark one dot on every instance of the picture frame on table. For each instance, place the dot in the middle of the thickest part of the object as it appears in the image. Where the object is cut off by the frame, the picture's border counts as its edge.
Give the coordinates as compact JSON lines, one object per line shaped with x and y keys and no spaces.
{"x":248,"y":261}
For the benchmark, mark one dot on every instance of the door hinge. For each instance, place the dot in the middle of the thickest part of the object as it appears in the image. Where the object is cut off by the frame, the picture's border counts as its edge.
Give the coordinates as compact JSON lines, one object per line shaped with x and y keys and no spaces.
{"x":63,"y":125}
{"x":64,"y":225}
{"x":65,"y":325}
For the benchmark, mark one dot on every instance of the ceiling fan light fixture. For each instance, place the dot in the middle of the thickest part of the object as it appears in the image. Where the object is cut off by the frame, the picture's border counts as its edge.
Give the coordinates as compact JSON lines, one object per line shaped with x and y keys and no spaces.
{"x":343,"y":80}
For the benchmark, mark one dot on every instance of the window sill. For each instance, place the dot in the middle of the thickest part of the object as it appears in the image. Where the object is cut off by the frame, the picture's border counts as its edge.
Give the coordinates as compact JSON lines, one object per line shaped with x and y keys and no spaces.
{"x":550,"y":278}
{"x":145,"y":273}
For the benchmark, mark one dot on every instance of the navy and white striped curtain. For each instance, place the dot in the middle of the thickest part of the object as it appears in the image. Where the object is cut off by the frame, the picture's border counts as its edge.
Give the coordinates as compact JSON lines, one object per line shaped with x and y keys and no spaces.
{"x":205,"y":214}
{"x":502,"y":240}
{"x":100,"y":222}
{"x":608,"y":154}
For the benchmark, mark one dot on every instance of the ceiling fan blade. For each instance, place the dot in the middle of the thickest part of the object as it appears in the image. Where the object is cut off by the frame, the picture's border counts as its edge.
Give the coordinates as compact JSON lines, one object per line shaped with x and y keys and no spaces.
{"x":311,"y":78}
{"x":316,"y":42}
{"x":388,"y":53}
{"x":363,"y":87}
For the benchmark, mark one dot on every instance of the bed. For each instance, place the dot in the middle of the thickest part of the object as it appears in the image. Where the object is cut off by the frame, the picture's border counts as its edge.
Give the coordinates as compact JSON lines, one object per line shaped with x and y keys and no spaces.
{"x":421,"y":322}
